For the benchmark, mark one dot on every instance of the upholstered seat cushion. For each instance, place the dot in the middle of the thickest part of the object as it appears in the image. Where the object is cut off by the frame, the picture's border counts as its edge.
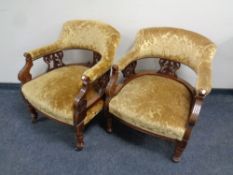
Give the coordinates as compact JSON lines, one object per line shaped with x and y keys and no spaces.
{"x":53,"y":93}
{"x":155,"y":104}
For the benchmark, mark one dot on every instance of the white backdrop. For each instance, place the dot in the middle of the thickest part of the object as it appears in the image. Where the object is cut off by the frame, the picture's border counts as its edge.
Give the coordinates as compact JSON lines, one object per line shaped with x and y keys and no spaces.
{"x":28,"y":24}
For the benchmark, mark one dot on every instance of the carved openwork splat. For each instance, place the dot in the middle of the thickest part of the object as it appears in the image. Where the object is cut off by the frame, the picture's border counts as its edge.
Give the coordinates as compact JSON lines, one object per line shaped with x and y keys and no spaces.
{"x":54,"y":60}
{"x":130,"y":69}
{"x":102,"y":82}
{"x":168,"y":67}
{"x":96,"y":57}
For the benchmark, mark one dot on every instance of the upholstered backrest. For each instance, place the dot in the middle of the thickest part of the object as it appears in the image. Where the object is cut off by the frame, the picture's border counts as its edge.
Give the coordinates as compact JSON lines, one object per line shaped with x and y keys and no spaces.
{"x":83,"y":34}
{"x":92,"y":35}
{"x":171,"y":43}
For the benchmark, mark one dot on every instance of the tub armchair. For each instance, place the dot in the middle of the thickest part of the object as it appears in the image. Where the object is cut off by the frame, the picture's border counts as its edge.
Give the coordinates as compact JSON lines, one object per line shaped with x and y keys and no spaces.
{"x":158,"y":102}
{"x":71,"y":94}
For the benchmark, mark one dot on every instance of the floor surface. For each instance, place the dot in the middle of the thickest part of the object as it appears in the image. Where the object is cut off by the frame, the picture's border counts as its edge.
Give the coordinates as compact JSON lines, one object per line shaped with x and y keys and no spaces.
{"x":47,"y":147}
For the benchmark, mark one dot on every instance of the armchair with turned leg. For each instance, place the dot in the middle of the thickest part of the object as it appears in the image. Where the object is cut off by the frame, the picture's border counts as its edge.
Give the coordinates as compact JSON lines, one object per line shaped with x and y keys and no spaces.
{"x":71,"y":94}
{"x":160,"y":103}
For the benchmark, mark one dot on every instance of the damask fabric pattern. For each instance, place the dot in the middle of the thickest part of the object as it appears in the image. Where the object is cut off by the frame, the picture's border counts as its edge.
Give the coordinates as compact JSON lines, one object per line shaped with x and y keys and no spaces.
{"x":85,"y":34}
{"x":153,"y":103}
{"x":53,"y":93}
{"x":189,"y":48}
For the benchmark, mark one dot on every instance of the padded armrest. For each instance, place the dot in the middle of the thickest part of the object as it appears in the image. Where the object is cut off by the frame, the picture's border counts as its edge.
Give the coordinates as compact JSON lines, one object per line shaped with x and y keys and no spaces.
{"x":45,"y":50}
{"x":127,"y":59}
{"x":204,"y":79}
{"x":98,"y":70}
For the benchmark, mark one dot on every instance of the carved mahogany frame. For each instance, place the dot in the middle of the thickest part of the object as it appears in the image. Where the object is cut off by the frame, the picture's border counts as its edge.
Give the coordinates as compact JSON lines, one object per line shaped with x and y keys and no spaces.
{"x":168,"y":70}
{"x":81,"y":105}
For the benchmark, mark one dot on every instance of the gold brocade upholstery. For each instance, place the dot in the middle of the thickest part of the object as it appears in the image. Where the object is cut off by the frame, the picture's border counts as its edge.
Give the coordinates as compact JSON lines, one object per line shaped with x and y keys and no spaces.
{"x":53,"y":93}
{"x":153,"y":103}
{"x":189,"y":48}
{"x":85,"y":34}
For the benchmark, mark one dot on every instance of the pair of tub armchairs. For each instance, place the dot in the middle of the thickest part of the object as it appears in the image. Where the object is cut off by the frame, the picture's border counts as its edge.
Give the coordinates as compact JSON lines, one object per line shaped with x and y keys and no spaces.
{"x":154,"y":102}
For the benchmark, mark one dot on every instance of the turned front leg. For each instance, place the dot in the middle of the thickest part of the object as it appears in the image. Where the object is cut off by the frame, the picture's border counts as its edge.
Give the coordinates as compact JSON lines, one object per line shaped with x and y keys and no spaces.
{"x":33,"y":112}
{"x":109,"y":122}
{"x":179,"y":149}
{"x":79,"y":137}
{"x":80,"y":109}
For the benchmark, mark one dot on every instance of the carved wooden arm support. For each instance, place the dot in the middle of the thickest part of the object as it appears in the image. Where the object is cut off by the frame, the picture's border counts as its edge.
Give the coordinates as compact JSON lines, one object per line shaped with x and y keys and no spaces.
{"x":24,"y":74}
{"x":80,"y":103}
{"x":53,"y":60}
{"x":112,"y":85}
{"x":198,"y":100}
{"x":196,"y":109}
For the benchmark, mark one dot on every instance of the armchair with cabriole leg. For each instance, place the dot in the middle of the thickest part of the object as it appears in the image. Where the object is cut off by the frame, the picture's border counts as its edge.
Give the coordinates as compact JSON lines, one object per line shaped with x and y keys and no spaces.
{"x":71,"y":94}
{"x":158,"y":102}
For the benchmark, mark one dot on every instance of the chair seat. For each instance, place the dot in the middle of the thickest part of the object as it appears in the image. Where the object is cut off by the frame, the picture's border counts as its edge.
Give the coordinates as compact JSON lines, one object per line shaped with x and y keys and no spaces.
{"x":156,"y":104}
{"x":53,"y":93}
